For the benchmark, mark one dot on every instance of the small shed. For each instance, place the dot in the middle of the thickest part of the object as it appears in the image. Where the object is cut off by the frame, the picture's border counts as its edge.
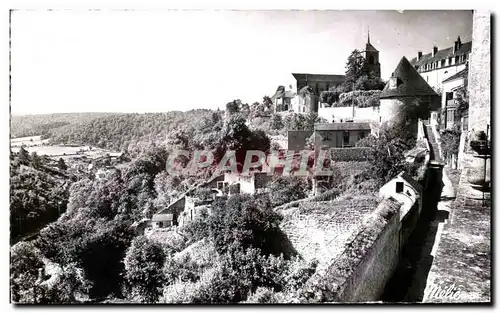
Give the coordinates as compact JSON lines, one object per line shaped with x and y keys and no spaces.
{"x":162,"y":220}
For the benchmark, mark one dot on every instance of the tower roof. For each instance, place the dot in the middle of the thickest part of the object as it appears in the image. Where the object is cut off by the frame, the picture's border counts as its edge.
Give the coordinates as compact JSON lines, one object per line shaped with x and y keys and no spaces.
{"x":408,"y":83}
{"x":369,"y":47}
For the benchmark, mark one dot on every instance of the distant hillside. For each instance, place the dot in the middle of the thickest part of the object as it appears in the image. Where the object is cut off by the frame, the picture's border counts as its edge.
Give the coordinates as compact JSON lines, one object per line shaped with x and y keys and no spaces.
{"x":130,"y":131}
{"x":34,"y":125}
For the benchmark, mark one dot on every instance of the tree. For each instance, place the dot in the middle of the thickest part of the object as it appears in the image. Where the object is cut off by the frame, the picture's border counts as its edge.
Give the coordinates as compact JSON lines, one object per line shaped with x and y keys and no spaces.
{"x":366,"y":82}
{"x":267,"y":102}
{"x":241,"y":272}
{"x":355,"y":68}
{"x":312,"y":118}
{"x":143,"y":270}
{"x":463,"y":102}
{"x":35,"y":160}
{"x":245,"y":221}
{"x":450,"y":143}
{"x":387,"y":157}
{"x":276,"y":122}
{"x":61,"y":164}
{"x":283,"y":189}
{"x":24,"y":157}
{"x":25,"y":263}
{"x":233,"y":107}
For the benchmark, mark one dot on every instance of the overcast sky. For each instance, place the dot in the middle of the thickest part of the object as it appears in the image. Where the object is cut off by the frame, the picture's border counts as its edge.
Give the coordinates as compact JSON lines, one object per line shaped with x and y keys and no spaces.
{"x":157,"y":61}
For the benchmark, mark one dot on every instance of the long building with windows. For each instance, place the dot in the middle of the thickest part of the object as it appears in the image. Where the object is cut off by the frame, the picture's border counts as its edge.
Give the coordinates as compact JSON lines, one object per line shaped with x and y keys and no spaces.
{"x":437,"y":66}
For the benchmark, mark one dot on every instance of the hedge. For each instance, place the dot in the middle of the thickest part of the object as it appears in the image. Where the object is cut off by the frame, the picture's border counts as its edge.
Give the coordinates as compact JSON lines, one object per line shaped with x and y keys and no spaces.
{"x":360,"y":98}
{"x":350,"y":154}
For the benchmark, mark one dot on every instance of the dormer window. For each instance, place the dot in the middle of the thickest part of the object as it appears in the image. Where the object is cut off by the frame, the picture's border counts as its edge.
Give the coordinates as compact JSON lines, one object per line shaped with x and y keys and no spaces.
{"x":393,"y":83}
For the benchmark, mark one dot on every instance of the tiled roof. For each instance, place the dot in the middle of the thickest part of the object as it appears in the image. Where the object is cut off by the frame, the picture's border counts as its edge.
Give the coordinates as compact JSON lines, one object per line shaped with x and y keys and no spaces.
{"x":409,"y":83}
{"x":320,"y":77}
{"x":465,"y":48}
{"x":462,"y":74}
{"x":162,"y":217}
{"x":412,"y":182}
{"x":280,"y":94}
{"x":342,"y":126}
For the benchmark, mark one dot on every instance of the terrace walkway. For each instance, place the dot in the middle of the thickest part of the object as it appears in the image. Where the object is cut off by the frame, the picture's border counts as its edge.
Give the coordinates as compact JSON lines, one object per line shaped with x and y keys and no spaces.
{"x":448,"y":257}
{"x":410,"y":279}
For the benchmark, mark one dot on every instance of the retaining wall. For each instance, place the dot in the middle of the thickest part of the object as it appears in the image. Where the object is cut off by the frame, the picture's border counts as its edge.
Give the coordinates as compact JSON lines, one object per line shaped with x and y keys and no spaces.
{"x":370,"y":257}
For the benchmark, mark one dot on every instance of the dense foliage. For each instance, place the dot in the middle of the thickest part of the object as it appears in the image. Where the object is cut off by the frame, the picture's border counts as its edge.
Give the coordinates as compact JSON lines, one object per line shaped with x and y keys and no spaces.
{"x":38,"y":193}
{"x":36,"y":125}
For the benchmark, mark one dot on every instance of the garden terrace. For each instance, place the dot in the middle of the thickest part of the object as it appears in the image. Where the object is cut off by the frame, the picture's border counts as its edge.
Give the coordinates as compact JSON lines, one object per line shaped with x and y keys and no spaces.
{"x":318,"y":230}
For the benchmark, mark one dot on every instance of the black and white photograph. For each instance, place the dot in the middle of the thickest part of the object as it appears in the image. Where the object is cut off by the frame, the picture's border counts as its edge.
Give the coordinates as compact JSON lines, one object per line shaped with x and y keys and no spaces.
{"x":244,"y":156}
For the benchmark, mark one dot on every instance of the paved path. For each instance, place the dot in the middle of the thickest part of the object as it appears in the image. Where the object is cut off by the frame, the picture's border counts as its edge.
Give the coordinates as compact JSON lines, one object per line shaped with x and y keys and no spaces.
{"x":410,"y":279}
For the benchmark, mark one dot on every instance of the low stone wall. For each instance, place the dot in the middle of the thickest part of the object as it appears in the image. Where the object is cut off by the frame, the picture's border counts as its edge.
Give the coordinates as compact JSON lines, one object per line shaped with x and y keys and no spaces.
{"x":370,"y":257}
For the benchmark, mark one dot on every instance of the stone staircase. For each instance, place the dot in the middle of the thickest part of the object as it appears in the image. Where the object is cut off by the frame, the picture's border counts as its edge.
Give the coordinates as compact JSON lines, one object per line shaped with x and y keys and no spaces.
{"x":435,"y":155}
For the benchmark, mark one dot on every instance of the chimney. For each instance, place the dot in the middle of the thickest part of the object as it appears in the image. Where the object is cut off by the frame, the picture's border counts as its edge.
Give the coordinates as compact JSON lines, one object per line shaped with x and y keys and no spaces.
{"x":457,"y":45}
{"x":419,"y":55}
{"x":434,"y":50}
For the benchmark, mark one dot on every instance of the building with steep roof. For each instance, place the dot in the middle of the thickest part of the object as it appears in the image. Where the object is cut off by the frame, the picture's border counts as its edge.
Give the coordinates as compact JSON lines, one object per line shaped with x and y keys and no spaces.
{"x":403,"y":88}
{"x":438,"y":65}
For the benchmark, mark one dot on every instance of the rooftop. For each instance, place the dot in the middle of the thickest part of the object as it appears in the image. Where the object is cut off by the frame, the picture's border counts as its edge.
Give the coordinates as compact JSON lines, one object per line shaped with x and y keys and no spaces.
{"x":162,"y":217}
{"x":465,"y":48}
{"x":462,"y":74}
{"x":342,"y":126}
{"x":408,"y":83}
{"x":319,"y":77}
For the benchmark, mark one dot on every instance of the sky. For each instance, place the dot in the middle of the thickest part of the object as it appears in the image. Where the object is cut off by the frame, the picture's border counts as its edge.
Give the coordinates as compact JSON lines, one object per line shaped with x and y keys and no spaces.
{"x":67,"y":61}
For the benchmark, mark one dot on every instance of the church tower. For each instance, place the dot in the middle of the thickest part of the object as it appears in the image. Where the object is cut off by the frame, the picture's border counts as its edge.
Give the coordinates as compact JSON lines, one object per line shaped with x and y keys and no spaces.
{"x":372,"y":58}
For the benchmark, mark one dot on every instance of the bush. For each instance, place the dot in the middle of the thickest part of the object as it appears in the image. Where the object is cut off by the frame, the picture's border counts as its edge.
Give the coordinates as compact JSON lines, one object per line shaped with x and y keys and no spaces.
{"x":143,"y":274}
{"x":25,"y":262}
{"x":349,"y":154}
{"x":283,"y":189}
{"x":240,"y":273}
{"x":360,"y":98}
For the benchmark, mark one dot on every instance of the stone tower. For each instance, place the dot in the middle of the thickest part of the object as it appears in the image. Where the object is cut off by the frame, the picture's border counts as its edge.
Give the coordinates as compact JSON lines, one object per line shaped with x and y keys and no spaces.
{"x":372,"y":58}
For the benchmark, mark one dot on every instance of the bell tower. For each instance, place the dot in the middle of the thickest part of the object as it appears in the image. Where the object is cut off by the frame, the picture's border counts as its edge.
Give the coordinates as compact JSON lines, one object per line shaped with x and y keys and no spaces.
{"x":372,"y":58}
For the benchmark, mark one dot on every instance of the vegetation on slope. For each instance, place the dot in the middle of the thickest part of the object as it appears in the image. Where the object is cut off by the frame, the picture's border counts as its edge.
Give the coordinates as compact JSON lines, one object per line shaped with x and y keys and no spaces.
{"x":38,"y":193}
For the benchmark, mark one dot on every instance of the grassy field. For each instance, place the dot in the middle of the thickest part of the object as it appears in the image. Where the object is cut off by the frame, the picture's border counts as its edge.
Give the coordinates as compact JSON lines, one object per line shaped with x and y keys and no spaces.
{"x":28,"y":141}
{"x":42,"y":147}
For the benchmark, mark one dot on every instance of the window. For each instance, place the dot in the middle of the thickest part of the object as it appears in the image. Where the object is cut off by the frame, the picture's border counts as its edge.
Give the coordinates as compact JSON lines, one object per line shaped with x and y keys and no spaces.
{"x":361,"y":135}
{"x":457,"y":58}
{"x":451,"y":116}
{"x":443,"y":62}
{"x":371,"y":60}
{"x":449,"y":61}
{"x":399,"y":187}
{"x":346,"y":137}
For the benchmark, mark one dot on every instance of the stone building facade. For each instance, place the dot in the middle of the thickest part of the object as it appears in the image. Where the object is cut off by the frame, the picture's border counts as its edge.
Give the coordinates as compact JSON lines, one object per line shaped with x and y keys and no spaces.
{"x":438,"y":65}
